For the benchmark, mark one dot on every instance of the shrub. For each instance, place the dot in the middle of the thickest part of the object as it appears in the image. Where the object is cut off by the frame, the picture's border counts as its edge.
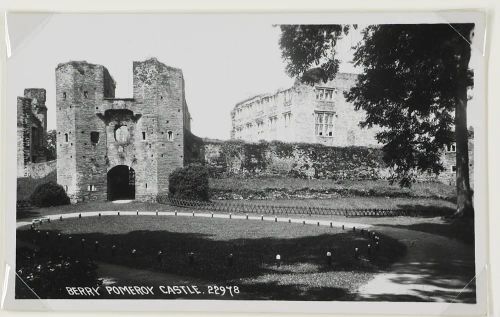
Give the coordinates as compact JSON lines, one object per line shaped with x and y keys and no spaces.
{"x":49,"y":194}
{"x":190,"y":182}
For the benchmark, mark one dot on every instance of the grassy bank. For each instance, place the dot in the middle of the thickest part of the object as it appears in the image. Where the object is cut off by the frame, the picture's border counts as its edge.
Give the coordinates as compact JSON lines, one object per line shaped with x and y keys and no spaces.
{"x":286,"y":188}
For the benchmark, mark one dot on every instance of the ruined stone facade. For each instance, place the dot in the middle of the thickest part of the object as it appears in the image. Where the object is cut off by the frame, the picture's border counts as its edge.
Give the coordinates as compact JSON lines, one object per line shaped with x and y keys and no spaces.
{"x":449,"y":160}
{"x":303,"y":113}
{"x":31,"y":129}
{"x":119,"y":148}
{"x":320,"y":114}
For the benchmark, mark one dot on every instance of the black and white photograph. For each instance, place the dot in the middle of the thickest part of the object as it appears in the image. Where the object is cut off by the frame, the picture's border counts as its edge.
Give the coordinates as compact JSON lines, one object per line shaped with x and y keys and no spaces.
{"x":274,"y":160}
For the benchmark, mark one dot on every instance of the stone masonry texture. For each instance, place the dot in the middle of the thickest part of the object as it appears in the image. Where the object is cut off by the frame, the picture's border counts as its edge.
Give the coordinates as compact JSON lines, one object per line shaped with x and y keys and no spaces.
{"x":303,"y":113}
{"x":31,"y":129}
{"x":97,"y":132}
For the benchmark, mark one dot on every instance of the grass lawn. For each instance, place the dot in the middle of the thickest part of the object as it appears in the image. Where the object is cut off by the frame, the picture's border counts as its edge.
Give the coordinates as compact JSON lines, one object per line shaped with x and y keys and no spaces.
{"x":429,"y":204}
{"x":287,"y":187}
{"x":302,"y":275}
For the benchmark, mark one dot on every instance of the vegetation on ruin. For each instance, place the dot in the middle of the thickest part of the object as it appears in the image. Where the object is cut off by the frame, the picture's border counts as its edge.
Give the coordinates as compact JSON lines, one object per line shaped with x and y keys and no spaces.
{"x":295,"y":160}
{"x":26,"y":185}
{"x":50,"y":150}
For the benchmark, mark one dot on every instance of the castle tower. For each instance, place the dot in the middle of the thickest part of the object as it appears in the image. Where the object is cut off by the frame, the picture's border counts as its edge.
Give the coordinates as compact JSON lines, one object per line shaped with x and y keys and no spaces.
{"x":159,"y":93}
{"x":119,"y":148}
{"x":81,"y":152}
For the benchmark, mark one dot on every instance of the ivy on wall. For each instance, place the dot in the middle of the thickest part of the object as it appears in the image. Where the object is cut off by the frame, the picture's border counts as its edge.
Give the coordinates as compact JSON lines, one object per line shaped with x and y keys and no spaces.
{"x":237,"y":158}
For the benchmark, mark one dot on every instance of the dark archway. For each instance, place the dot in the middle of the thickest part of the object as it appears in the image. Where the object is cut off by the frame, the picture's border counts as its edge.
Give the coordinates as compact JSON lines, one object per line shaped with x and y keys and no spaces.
{"x":121,"y":183}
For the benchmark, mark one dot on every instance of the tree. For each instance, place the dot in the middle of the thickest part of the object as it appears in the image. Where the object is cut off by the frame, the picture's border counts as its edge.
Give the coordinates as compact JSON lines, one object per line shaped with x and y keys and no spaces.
{"x":413,"y":85}
{"x":303,"y":46}
{"x":51,"y":147}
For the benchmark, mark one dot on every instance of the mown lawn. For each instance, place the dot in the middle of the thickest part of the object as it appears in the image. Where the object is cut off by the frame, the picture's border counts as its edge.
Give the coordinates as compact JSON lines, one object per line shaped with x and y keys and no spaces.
{"x":295,"y":187}
{"x":357,"y":203}
{"x":303,"y":274}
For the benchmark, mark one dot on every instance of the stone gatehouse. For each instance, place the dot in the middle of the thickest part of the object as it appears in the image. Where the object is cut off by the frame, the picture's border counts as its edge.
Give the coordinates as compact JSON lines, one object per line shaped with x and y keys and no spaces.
{"x":119,"y":148}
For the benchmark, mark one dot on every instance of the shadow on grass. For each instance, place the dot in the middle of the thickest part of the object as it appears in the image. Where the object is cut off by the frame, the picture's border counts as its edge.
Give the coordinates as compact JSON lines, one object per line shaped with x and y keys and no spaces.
{"x":272,"y":291}
{"x":210,"y":262}
{"x":461,"y":229}
{"x":426,"y":211}
{"x":27,"y":214}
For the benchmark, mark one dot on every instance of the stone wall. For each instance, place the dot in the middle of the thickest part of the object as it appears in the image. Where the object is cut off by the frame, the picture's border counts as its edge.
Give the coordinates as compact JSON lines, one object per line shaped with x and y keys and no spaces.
{"x":40,"y":170}
{"x":236,"y":158}
{"x":243,"y":159}
{"x":31,"y":129}
{"x":449,"y":159}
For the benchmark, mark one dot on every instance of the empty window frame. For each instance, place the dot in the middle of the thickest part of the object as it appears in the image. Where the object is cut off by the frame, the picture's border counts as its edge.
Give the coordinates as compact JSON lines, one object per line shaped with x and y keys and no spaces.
{"x":170,"y":136}
{"x":94,"y":137}
{"x":324,"y":94}
{"x":324,"y":124}
{"x":451,"y":147}
{"x":287,"y":117}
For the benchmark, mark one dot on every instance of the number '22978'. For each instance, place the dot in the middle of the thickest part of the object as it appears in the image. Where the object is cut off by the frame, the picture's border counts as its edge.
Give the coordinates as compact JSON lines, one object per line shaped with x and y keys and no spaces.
{"x":223,"y":290}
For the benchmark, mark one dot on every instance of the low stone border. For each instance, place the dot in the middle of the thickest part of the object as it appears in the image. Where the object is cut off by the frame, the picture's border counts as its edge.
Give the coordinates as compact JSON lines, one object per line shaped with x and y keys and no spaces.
{"x":316,"y":222}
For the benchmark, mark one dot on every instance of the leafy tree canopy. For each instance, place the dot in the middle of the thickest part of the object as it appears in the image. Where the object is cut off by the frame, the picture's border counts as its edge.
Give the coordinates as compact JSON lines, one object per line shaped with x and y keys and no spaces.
{"x":413,"y":77}
{"x":309,"y":50}
{"x":413,"y":86}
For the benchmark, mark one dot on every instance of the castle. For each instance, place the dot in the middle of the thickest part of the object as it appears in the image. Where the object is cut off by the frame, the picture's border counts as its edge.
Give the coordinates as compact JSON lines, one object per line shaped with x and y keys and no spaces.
{"x":303,"y":113}
{"x":31,"y":129}
{"x":119,"y":148}
{"x":125,"y":148}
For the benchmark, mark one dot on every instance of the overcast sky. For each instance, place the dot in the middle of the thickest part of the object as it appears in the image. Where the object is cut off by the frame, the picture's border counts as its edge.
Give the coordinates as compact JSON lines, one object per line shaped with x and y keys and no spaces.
{"x":224,"y":58}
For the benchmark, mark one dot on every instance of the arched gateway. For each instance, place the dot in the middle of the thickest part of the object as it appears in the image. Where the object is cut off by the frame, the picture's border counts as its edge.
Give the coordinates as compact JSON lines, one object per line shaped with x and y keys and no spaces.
{"x":121,"y":183}
{"x":146,"y":131}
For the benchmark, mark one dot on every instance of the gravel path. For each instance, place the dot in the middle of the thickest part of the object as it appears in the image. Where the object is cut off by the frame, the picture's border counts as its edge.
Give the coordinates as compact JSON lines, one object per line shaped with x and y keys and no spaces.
{"x":435,"y":268}
{"x":309,"y":221}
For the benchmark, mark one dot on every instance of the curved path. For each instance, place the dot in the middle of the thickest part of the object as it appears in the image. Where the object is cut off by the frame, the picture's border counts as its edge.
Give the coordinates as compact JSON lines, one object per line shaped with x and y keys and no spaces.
{"x":435,"y":268}
{"x":317,"y":222}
